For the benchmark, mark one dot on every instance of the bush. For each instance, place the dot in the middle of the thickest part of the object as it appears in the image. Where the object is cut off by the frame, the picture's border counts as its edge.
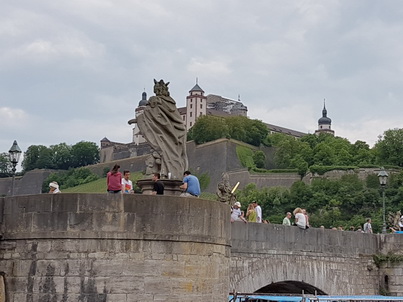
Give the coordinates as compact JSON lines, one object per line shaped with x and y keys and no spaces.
{"x":323,"y":169}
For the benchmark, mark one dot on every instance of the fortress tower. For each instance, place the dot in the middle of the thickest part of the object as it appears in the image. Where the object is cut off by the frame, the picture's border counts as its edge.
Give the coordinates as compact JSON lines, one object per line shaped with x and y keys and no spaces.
{"x":196,"y":105}
{"x":324,"y":123}
{"x":138,"y":138}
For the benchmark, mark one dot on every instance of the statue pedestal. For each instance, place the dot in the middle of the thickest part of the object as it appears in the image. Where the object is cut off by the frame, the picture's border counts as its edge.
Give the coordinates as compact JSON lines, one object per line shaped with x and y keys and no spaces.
{"x":171,"y":186}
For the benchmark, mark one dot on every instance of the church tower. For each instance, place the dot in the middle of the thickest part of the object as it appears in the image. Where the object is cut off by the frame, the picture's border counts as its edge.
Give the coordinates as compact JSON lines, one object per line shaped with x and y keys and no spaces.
{"x":138,"y":138}
{"x":324,"y":123}
{"x":196,"y":105}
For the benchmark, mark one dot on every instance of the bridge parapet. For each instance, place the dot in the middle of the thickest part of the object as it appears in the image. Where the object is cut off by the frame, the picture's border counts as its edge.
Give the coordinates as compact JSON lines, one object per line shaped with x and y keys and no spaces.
{"x":113,"y":247}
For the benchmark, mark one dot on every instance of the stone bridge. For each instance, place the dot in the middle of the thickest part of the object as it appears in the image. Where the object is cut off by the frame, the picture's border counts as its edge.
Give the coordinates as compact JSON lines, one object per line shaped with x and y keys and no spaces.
{"x":272,"y":258}
{"x":104,"y":247}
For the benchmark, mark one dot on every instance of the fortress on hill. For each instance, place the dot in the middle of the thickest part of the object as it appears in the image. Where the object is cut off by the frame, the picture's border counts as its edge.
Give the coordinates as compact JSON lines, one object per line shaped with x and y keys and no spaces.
{"x":197,"y":104}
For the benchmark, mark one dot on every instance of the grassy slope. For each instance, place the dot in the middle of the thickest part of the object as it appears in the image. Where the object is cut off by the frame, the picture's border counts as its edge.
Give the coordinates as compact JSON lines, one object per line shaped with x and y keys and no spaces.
{"x":97,"y":186}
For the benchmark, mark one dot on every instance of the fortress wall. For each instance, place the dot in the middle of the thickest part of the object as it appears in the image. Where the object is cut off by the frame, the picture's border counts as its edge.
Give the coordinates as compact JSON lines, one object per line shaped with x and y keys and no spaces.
{"x":336,"y":262}
{"x":105,"y":247}
{"x":213,"y":158}
{"x":263,"y":180}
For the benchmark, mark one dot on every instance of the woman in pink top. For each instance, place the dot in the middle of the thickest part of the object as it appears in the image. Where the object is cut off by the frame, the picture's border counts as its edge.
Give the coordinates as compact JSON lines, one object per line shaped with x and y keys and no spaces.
{"x":114,"y":180}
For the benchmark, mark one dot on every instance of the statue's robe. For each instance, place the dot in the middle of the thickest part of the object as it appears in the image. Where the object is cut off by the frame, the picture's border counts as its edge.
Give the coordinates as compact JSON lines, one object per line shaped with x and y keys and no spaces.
{"x":162,"y":126}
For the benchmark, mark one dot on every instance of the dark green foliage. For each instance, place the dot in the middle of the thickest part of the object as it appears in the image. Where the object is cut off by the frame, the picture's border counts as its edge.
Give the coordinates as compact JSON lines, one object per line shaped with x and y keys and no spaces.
{"x":5,"y":165}
{"x":36,"y":157}
{"x":344,"y":202}
{"x":323,"y":169}
{"x":84,"y":153}
{"x":389,"y":147}
{"x":208,"y":128}
{"x":105,"y":171}
{"x":259,"y":159}
{"x":70,"y":178}
{"x":61,"y":156}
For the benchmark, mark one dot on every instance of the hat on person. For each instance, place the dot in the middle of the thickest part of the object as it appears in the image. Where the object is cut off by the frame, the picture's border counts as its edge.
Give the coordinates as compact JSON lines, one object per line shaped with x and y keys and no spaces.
{"x":54,"y":184}
{"x":238,"y":204}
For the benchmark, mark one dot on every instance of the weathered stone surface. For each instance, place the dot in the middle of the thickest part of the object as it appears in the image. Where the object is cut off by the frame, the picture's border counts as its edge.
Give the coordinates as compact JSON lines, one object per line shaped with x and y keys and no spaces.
{"x":128,"y":248}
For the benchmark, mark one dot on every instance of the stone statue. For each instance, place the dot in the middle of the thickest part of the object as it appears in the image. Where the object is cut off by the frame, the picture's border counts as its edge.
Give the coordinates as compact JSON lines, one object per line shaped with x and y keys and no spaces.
{"x":162,"y":126}
{"x":224,"y":190}
{"x":393,"y":219}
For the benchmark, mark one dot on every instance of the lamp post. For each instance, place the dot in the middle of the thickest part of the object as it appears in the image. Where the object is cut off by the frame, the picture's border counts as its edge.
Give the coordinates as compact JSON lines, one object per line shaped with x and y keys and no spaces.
{"x":383,"y":176}
{"x":14,"y":153}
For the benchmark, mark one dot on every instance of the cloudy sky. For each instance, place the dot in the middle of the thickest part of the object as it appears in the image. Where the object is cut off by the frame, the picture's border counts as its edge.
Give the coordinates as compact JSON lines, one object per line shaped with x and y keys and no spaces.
{"x":75,"y":70}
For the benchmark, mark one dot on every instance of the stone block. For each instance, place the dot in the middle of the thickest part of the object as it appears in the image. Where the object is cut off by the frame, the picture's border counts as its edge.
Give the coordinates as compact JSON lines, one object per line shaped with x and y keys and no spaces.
{"x":49,"y":222}
{"x":65,"y":203}
{"x":92,"y":203}
{"x":109,"y":222}
{"x":80,"y":221}
{"x":125,"y":285}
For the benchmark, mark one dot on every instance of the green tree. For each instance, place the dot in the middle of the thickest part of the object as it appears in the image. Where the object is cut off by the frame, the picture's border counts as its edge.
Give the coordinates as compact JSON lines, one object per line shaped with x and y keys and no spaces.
{"x":259,"y":159}
{"x":84,"y":154}
{"x":61,"y":156}
{"x":389,"y":147}
{"x":208,"y":128}
{"x":299,"y":163}
{"x":362,"y":154}
{"x":36,"y":157}
{"x":256,"y":131}
{"x":5,"y":165}
{"x":324,"y":154}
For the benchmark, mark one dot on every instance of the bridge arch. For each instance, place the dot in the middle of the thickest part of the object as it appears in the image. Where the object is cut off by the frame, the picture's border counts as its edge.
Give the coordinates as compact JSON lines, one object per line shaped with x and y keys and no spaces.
{"x":290,"y":287}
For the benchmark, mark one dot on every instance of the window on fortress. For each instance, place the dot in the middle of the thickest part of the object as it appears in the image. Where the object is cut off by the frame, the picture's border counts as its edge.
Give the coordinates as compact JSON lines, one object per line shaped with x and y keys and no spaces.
{"x":191,"y":106}
{"x":191,"y":114}
{"x":201,"y":106}
{"x":190,"y":124}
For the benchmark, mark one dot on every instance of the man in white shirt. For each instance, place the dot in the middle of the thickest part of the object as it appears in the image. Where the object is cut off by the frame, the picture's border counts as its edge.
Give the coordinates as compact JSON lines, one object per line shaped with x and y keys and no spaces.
{"x":258,"y":210}
{"x":127,"y":185}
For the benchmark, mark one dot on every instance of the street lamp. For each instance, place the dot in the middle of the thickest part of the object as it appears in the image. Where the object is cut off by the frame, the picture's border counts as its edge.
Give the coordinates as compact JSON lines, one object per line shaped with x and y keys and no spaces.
{"x":14,"y":153}
{"x":383,"y":176}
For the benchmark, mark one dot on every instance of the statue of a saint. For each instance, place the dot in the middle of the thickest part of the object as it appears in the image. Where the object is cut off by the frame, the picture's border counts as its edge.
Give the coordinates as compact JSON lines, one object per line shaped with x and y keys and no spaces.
{"x":225,"y":192}
{"x":163,"y":128}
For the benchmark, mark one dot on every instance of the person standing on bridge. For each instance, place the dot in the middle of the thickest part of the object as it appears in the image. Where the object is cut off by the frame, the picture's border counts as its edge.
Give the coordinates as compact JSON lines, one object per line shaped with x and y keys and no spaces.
{"x":251,"y":213}
{"x":286,"y":220}
{"x":114,"y":180}
{"x":258,"y":210}
{"x":368,"y":226}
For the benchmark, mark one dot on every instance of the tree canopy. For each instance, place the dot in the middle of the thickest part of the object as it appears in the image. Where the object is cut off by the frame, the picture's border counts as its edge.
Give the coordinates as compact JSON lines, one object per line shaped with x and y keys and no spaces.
{"x":208,"y":128}
{"x":389,"y":147}
{"x":5,"y":165}
{"x":343,"y":202}
{"x":61,"y":156}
